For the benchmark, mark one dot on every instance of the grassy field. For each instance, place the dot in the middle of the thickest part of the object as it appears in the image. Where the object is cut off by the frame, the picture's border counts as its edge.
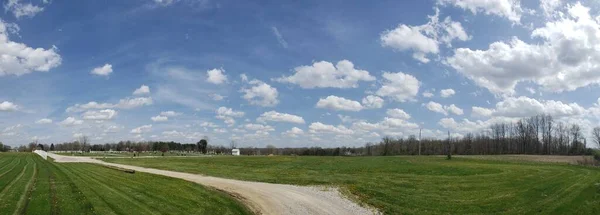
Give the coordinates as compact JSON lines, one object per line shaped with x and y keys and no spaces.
{"x":530,"y":158}
{"x":30,"y":185}
{"x":418,"y":185}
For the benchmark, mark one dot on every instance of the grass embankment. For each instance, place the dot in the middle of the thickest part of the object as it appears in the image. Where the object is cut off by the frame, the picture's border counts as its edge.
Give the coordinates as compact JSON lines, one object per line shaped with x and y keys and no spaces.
{"x":30,"y":185}
{"x":417,"y":185}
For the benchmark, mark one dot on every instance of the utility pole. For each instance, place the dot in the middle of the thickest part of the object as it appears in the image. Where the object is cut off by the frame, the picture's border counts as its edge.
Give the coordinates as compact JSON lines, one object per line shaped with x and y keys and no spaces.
{"x":419,"y":141}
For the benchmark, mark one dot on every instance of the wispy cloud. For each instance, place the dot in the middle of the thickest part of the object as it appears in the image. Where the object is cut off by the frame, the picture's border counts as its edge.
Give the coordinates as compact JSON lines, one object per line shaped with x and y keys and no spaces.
{"x":280,"y":39}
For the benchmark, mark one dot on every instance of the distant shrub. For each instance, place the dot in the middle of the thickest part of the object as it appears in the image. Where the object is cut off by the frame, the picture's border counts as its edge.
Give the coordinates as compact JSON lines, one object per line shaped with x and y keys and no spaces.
{"x":594,"y":161}
{"x":587,"y":161}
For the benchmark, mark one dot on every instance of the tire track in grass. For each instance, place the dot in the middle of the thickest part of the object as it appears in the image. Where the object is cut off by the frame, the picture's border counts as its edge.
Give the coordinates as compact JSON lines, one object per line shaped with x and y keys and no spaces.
{"x":572,"y":191}
{"x":40,"y":199}
{"x":101,"y":205}
{"x":5,"y":159}
{"x":3,"y":192}
{"x":121,"y":180}
{"x":45,"y":191}
{"x":12,"y":191}
{"x":26,"y":196}
{"x":13,"y":167}
{"x":134,"y":201}
{"x":54,"y":209}
{"x":152,"y":193}
{"x":64,"y":179}
{"x":5,"y":163}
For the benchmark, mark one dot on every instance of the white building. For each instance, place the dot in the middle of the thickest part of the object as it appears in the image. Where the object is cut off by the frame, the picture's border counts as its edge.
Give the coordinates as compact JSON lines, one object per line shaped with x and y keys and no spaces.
{"x":235,"y":152}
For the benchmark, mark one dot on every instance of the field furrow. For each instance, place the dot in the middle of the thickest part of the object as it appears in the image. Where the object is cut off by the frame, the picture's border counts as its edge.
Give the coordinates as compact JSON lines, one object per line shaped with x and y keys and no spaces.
{"x":30,"y":185}
{"x":26,"y":195}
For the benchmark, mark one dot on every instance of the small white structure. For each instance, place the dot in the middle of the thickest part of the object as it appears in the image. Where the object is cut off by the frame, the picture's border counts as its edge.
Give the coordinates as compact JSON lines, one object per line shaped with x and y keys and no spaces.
{"x":235,"y":152}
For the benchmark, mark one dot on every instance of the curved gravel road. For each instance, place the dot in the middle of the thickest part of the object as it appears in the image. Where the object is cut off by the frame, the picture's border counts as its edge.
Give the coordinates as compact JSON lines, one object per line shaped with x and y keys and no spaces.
{"x":262,"y":198}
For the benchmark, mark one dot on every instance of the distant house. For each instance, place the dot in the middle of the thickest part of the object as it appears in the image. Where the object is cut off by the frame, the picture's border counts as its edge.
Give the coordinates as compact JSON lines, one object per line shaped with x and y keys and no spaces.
{"x":235,"y":152}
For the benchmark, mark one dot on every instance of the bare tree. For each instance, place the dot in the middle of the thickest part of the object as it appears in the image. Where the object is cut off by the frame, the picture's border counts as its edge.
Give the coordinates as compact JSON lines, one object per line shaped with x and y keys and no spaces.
{"x":387,"y":141}
{"x":419,"y":141}
{"x":84,"y":141}
{"x":596,"y":135}
{"x":576,"y":134}
{"x":449,"y":147}
{"x":232,"y":144}
{"x":369,"y":149}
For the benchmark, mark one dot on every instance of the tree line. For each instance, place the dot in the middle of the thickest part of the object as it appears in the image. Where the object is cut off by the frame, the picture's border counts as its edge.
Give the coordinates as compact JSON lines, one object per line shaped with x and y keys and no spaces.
{"x":82,"y":144}
{"x":4,"y":148}
{"x":539,"y":134}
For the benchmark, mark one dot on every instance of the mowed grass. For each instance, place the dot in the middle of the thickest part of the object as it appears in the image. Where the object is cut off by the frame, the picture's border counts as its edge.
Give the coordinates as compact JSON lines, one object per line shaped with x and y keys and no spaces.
{"x":31,"y":185}
{"x":417,"y":185}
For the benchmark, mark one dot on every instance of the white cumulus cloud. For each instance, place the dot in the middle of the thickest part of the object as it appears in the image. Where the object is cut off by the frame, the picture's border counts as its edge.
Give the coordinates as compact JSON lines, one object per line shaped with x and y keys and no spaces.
{"x":509,"y":9}
{"x":437,"y":107}
{"x":481,"y":112}
{"x":8,"y":106}
{"x":159,"y":118}
{"x":445,"y":93}
{"x":127,"y":103}
{"x":19,"y":59}
{"x":43,"y":121}
{"x":424,"y":39}
{"x":70,"y":121}
{"x":324,"y":74}
{"x":526,"y":107}
{"x":280,"y":117}
{"x":339,"y":104}
{"x":106,"y":114}
{"x":427,"y":94}
{"x":293,"y":132}
{"x":564,"y":57}
{"x":261,"y":94}
{"x":399,"y":86}
{"x":143,"y":90}
{"x":216,"y":76}
{"x":103,"y":70}
{"x":372,"y":102}
{"x":397,"y":113}
{"x":318,"y":127}
{"x":228,"y":115}
{"x":141,"y":129}
{"x":19,"y":9}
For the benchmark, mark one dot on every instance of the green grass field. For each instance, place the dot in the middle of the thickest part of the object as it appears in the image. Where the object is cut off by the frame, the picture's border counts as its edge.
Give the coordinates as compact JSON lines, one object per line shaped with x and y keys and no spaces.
{"x":30,"y":185}
{"x":417,"y":185}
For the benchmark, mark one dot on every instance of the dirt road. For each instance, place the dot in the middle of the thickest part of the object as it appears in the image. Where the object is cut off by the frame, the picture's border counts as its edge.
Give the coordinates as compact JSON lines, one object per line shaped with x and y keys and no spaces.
{"x":262,"y":198}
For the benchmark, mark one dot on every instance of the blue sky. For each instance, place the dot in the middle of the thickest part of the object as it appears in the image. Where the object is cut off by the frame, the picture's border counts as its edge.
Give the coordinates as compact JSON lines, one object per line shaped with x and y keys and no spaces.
{"x":296,"y":73}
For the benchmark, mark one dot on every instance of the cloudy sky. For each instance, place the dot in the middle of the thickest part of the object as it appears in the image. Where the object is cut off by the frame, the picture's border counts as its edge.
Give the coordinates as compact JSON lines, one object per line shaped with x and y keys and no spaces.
{"x":291,"y":73}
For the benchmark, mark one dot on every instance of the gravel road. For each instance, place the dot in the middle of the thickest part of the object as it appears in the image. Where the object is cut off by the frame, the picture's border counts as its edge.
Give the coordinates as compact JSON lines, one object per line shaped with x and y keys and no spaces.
{"x":262,"y":198}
